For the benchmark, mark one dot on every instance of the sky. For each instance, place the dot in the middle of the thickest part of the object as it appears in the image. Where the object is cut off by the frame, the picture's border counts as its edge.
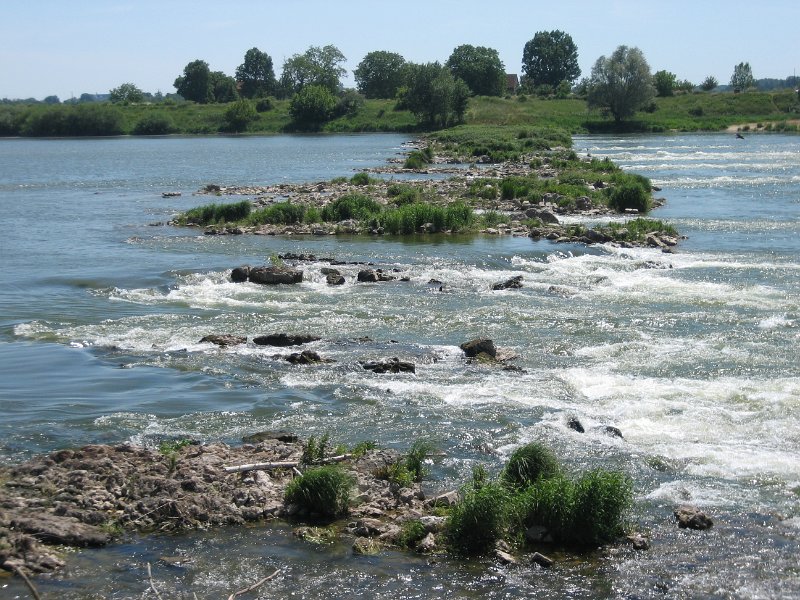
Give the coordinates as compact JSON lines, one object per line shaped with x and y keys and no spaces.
{"x":70,"y":47}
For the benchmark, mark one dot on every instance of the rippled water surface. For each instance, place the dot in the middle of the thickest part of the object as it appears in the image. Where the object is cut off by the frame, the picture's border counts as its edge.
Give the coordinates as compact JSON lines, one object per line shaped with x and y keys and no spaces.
{"x":693,"y":356}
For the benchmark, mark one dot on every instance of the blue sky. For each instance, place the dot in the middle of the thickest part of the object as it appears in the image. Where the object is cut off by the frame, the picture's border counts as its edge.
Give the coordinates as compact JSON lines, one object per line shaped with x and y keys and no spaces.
{"x":71,"y":47}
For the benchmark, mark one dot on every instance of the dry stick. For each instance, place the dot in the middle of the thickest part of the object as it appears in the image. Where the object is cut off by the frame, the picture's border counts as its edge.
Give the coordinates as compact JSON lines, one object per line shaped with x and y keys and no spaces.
{"x":282,"y":465}
{"x":255,"y":585}
{"x":152,"y":585}
{"x":27,"y":581}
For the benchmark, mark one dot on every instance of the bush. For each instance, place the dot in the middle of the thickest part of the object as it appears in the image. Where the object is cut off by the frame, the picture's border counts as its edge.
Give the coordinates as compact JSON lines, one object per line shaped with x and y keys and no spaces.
{"x":530,"y":463}
{"x":629,"y":195}
{"x":351,"y":206}
{"x":480,"y":519}
{"x":153,"y":125}
{"x":312,"y":106}
{"x":600,"y":500}
{"x":324,"y":491}
{"x":360,"y":179}
{"x":411,"y":532}
{"x":414,"y":460}
{"x":282,"y":213}
{"x":217,"y":213}
{"x":416,"y":160}
{"x":239,"y":115}
{"x":264,"y":105}
{"x":403,"y":194}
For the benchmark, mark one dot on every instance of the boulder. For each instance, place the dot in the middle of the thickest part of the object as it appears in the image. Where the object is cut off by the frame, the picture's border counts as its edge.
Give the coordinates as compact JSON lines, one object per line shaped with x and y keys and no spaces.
{"x":263,"y":436}
{"x":690,"y":517}
{"x":240,"y":274}
{"x":67,"y":531}
{"x":306,"y":357}
{"x":545,"y":215}
{"x":574,"y":424}
{"x":275,"y":275}
{"x":285,"y":339}
{"x":224,"y":340}
{"x":509,"y":284}
{"x":393,"y":365}
{"x":373,"y":276}
{"x":334,"y":279}
{"x":478,"y":346}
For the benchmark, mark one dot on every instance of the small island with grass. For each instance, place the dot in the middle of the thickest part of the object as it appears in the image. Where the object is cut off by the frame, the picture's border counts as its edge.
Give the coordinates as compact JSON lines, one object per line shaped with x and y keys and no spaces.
{"x":489,"y":180}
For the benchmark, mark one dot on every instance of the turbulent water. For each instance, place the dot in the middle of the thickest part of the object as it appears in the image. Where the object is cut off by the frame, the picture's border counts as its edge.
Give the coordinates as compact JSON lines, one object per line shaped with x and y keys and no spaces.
{"x":693,"y":356}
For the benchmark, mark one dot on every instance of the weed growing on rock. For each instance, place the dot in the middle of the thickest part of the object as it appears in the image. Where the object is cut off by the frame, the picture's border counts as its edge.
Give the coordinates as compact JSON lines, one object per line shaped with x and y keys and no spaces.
{"x":323,"y":491}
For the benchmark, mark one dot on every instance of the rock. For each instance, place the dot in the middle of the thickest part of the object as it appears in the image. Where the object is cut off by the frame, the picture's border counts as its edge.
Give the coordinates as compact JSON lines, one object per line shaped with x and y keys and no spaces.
{"x":368,"y":527}
{"x":433,"y":523}
{"x":509,"y":284}
{"x":541,"y":560}
{"x":224,"y":340}
{"x":393,"y":365}
{"x":67,"y":531}
{"x":477,"y":346}
{"x":427,"y":544}
{"x":366,"y":546}
{"x":334,"y":279}
{"x":447,"y":499}
{"x":373,"y":276}
{"x":690,"y":517}
{"x":545,"y":215}
{"x":612,"y":431}
{"x":538,"y":534}
{"x":638,"y":541}
{"x":306,"y":357}
{"x":285,"y":339}
{"x":574,"y":424}
{"x":504,"y":558}
{"x":263,"y":436}
{"x":275,"y":275}
{"x":240,"y":274}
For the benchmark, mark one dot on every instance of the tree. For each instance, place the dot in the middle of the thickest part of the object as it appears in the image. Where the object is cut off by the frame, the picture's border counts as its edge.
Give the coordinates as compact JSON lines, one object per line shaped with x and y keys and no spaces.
{"x":126,"y":93}
{"x":52,"y":100}
{"x":664,"y":81}
{"x":709,"y":83}
{"x":550,"y":58}
{"x":480,"y":68}
{"x":195,"y":83}
{"x":316,"y":66}
{"x":222,"y":87}
{"x":436,"y":97}
{"x":742,"y":77}
{"x":256,"y":75}
{"x":312,"y":106}
{"x":380,"y":74}
{"x":621,"y":83}
{"x":239,"y":115}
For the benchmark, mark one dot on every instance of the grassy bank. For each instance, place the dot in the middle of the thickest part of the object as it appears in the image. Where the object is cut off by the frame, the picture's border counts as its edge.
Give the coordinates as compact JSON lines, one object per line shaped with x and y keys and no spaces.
{"x":776,"y":111}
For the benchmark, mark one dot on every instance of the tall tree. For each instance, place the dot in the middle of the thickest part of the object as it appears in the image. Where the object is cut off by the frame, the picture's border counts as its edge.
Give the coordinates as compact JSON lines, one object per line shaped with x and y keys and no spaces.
{"x":222,"y":87}
{"x":126,"y":93}
{"x":436,"y":97}
{"x":665,"y":83}
{"x":709,"y":83}
{"x":480,"y":68}
{"x":316,"y":66}
{"x":550,"y":58}
{"x":621,"y":83}
{"x":742,"y":77}
{"x":256,"y":74}
{"x":380,"y":74}
{"x":195,"y":83}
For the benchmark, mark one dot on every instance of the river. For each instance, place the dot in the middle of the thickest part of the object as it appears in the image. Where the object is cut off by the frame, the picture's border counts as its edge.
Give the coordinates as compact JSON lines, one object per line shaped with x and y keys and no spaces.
{"x":693,"y":356}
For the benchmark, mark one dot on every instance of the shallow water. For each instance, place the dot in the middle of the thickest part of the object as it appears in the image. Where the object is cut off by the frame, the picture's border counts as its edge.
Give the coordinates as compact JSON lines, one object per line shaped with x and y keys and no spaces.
{"x":692,"y":355}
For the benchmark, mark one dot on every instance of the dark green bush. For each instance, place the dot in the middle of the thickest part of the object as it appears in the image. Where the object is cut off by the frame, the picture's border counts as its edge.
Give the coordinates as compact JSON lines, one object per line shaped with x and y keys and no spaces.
{"x":217,"y":213}
{"x":530,"y":463}
{"x":403,"y":193}
{"x":411,"y":532}
{"x":323,"y":490}
{"x":629,"y":195}
{"x":264,"y":105}
{"x":360,"y":179}
{"x":351,"y":206}
{"x":416,"y":160}
{"x":480,"y":519}
{"x":154,"y":124}
{"x":283,"y":213}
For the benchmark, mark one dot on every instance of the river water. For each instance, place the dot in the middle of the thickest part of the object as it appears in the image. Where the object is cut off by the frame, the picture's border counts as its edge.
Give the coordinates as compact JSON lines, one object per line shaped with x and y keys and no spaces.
{"x":693,"y":356}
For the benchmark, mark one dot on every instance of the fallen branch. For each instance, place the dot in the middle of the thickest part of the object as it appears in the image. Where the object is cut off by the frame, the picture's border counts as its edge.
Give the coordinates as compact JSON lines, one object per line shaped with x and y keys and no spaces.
{"x":254,"y":586}
{"x":27,"y":581}
{"x":265,"y":466}
{"x":152,"y":585}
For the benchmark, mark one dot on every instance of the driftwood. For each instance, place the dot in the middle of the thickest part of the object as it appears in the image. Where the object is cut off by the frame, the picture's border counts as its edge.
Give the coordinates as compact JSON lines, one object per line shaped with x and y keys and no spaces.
{"x":152,"y":585}
{"x":254,"y":586}
{"x":28,"y":583}
{"x":283,"y":464}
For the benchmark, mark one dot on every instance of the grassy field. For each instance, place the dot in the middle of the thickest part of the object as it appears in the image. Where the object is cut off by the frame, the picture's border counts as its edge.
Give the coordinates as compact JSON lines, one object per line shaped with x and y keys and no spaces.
{"x":769,"y":111}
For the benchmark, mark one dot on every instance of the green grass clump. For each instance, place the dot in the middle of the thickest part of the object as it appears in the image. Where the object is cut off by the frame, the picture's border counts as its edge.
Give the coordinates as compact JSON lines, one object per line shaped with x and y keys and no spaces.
{"x":324,"y":491}
{"x":530,"y":463}
{"x":417,"y":160}
{"x":282,"y":213}
{"x":480,"y":519}
{"x":362,"y":179}
{"x":411,"y":533}
{"x":409,"y":218}
{"x":636,"y":230}
{"x":351,"y":206}
{"x":402,"y":193}
{"x":211,"y":214}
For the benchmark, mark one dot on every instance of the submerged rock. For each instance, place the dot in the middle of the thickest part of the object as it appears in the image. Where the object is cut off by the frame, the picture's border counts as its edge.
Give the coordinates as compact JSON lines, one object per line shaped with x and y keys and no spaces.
{"x":478,"y":346}
{"x":285,"y":339}
{"x":509,"y":284}
{"x":392,"y":365}
{"x":275,"y":275}
{"x":690,"y":517}
{"x":224,"y":340}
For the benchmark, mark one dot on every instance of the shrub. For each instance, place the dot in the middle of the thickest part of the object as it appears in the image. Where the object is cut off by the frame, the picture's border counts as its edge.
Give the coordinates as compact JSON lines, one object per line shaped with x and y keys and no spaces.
{"x":264,"y":105}
{"x":153,"y":125}
{"x":397,"y":473}
{"x":629,"y":195}
{"x":217,"y":213}
{"x":312,"y":106}
{"x":416,"y":160}
{"x":282,"y":213}
{"x":414,"y":460}
{"x":411,"y":532}
{"x":324,"y":491}
{"x":403,"y":194}
{"x":360,"y":179}
{"x":530,"y":463}
{"x":239,"y":115}
{"x":351,"y":206}
{"x":480,"y":519}
{"x":600,"y":500}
